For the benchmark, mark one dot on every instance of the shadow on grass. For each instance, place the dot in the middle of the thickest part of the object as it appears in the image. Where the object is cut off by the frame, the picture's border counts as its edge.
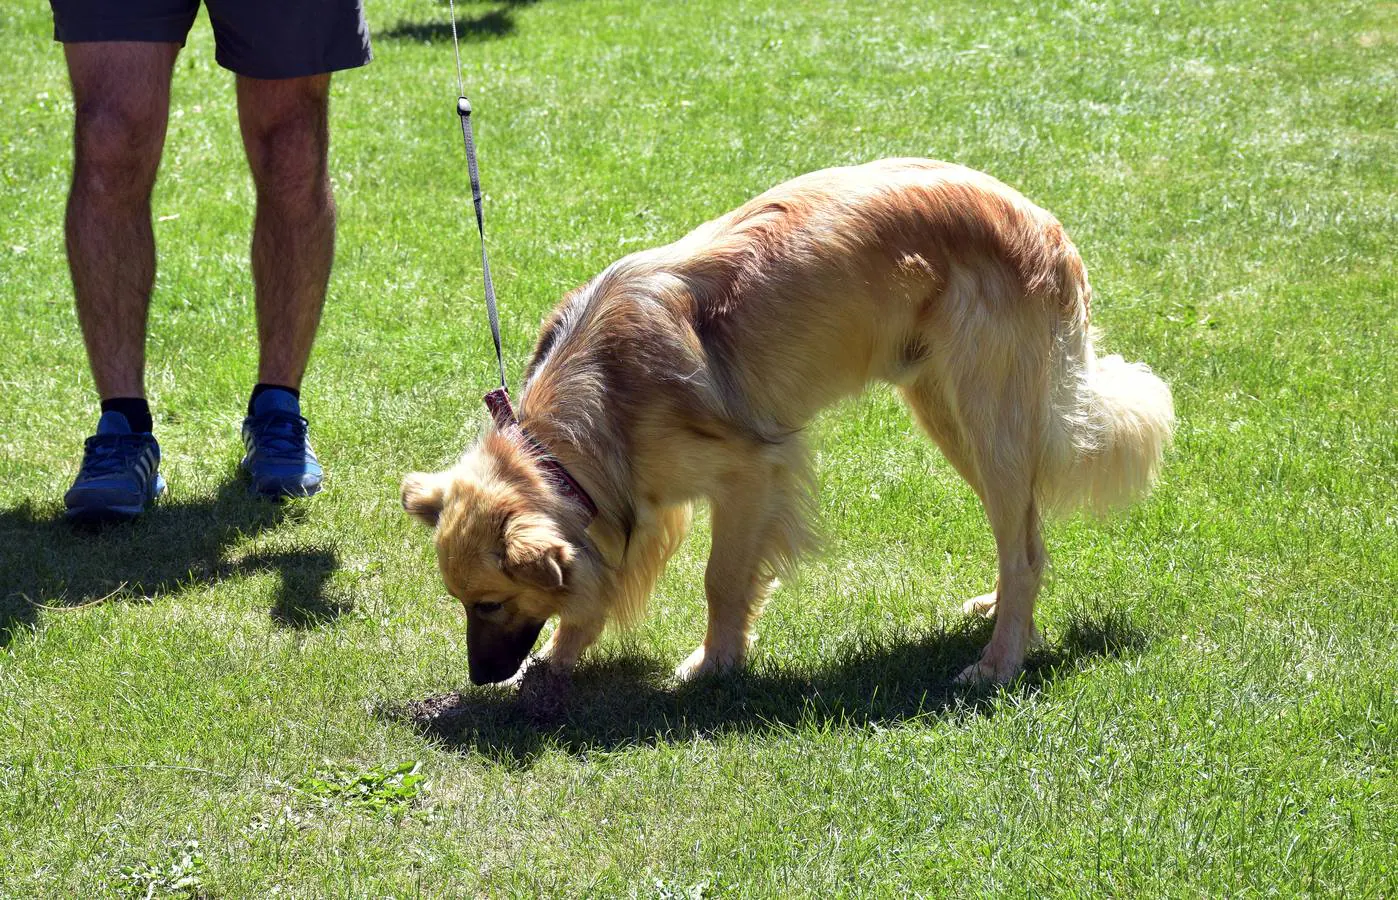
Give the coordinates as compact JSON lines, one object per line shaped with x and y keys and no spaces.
{"x":874,"y":681}
{"x":495,"y":23}
{"x":174,"y":545}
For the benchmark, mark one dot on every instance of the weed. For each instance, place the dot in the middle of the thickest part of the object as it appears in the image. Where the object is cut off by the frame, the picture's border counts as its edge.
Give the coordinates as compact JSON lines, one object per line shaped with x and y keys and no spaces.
{"x":379,"y":789}
{"x":181,"y":874}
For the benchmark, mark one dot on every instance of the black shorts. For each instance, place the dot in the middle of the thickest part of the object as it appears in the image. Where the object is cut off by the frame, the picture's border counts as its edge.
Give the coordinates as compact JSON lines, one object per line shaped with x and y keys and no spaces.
{"x":257,"y":38}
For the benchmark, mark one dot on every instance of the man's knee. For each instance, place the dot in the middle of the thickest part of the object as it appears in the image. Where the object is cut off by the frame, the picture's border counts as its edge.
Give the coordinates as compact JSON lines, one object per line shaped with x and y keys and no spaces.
{"x":117,"y":148}
{"x":289,"y":160}
{"x":286,"y":134}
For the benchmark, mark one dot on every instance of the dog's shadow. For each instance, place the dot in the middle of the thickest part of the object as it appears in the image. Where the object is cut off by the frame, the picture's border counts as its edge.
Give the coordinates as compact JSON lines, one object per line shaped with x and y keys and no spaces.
{"x":628,"y":700}
{"x":48,"y":565}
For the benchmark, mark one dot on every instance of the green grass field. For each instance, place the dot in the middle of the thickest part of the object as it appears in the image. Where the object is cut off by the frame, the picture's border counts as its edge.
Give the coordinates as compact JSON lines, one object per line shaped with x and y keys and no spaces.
{"x":1216,"y":709}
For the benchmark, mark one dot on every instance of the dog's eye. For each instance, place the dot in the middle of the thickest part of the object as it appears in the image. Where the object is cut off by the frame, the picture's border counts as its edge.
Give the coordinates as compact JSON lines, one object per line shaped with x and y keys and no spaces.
{"x":486,"y":609}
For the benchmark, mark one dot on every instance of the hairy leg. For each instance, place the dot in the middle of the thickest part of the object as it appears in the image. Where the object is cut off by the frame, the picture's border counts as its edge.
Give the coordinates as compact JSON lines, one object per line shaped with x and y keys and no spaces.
{"x":286,"y":137}
{"x":980,"y":408}
{"x":648,"y":551}
{"x":121,"y":92}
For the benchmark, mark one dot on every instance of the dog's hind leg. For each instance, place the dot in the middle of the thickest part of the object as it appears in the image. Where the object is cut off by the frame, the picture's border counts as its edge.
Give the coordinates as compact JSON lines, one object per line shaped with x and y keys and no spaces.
{"x":983,"y":400}
{"x":1014,"y":518}
{"x":1000,"y":414}
{"x":934,"y":413}
{"x":933,"y":410}
{"x":759,"y":527}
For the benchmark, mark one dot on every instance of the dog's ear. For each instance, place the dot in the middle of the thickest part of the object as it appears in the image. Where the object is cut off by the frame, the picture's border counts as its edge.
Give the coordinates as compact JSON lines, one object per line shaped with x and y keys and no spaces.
{"x":423,"y":494}
{"x":536,"y":553}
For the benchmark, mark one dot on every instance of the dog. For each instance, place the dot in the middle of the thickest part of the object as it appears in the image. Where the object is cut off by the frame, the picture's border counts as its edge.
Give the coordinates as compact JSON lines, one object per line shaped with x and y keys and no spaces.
{"x":690,"y":371}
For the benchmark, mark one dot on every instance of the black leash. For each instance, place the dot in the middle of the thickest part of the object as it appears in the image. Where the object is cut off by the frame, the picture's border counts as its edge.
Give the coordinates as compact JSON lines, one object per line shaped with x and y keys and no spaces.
{"x":463,"y":111}
{"x":498,"y":400}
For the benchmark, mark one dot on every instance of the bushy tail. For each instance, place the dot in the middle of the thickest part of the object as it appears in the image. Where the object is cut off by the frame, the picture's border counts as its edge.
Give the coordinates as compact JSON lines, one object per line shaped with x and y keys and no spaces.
{"x":1109,"y":423}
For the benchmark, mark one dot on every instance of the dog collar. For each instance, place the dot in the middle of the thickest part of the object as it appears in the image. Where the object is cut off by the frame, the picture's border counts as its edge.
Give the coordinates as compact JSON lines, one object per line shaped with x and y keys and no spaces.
{"x":498,"y":402}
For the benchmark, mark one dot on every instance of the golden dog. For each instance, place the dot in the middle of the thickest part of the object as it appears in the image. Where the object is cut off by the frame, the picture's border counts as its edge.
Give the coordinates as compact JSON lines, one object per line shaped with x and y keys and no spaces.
{"x":689,"y":372}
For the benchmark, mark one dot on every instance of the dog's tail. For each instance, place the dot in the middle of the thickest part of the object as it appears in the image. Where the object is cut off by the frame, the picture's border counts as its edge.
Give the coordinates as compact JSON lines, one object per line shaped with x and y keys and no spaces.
{"x":1109,"y":421}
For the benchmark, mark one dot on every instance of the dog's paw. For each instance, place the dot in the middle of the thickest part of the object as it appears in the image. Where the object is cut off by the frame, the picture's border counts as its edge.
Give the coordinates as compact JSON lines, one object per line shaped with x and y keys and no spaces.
{"x":701,"y":663}
{"x":983,"y":606}
{"x":542,"y":690}
{"x":983,"y":673}
{"x":992,"y":668}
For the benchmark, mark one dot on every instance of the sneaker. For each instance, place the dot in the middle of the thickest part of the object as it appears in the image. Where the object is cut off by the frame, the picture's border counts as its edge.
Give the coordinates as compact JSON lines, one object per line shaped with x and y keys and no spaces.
{"x":119,"y":475}
{"x":279,"y":458}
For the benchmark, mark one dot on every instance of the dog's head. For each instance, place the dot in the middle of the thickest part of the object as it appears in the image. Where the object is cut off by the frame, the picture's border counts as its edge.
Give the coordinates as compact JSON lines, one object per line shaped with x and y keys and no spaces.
{"x":501,"y":553}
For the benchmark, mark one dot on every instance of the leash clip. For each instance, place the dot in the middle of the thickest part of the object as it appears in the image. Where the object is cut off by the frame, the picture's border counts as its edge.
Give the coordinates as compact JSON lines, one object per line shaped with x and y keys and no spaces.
{"x":498,"y":402}
{"x":502,"y":412}
{"x":463,"y":107}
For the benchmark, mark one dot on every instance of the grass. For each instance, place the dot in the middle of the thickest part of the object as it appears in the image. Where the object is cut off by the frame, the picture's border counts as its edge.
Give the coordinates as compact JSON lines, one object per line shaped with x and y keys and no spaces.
{"x":228,"y":698}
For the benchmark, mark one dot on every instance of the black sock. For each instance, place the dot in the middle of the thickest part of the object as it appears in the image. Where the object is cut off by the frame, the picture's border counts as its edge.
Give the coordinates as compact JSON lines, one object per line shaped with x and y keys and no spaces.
{"x":136,"y":410}
{"x":258,"y":388}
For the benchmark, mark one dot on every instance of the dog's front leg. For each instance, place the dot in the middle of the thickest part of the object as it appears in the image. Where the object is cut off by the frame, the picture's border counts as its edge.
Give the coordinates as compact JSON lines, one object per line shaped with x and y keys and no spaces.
{"x":545,"y":681}
{"x":573,"y":635}
{"x":734,"y":582}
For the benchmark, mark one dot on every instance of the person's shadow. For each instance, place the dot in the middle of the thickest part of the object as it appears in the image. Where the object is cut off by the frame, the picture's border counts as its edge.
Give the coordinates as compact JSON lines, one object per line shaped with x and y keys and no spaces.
{"x":48,"y":566}
{"x":874,"y":681}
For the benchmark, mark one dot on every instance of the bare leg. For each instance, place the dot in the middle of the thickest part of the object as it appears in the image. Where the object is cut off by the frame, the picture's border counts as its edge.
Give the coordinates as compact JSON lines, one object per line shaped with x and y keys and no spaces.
{"x":286,"y":138}
{"x":121,"y":91}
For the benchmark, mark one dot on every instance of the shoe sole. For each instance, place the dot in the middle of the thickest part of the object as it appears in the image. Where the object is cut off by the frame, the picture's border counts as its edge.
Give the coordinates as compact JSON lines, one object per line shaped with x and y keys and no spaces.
{"x":274,"y":489}
{"x":276,"y":492}
{"x":99,"y":515}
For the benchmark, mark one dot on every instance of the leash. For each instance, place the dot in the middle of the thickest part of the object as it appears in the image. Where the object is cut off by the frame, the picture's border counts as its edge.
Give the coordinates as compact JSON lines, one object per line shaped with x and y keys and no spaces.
{"x":498,"y":400}
{"x":463,"y":112}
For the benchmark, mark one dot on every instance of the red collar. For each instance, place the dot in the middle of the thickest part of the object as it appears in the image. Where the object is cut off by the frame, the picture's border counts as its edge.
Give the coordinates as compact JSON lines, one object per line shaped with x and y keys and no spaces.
{"x":498,"y":402}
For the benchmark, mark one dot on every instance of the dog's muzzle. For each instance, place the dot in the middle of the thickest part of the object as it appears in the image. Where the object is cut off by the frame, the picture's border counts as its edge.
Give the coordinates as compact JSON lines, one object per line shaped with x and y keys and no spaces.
{"x":495,"y":651}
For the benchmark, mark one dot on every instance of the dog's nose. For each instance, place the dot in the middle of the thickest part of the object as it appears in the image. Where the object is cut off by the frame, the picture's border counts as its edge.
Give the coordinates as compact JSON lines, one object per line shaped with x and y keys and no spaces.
{"x":495,"y":652}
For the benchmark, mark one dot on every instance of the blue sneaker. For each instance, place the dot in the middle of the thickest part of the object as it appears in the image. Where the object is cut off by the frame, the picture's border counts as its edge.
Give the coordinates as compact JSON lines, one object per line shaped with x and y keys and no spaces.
{"x":119,"y":476}
{"x":279,"y":458}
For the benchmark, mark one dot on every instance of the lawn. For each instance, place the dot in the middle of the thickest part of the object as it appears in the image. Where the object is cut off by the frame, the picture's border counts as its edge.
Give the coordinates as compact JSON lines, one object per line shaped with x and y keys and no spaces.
{"x":233,"y":699}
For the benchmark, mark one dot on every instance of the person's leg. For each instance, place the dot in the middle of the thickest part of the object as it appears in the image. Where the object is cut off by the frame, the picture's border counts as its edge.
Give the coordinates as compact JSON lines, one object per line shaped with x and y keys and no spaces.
{"x":121,"y":91}
{"x":283,"y":56}
{"x":286,"y":137}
